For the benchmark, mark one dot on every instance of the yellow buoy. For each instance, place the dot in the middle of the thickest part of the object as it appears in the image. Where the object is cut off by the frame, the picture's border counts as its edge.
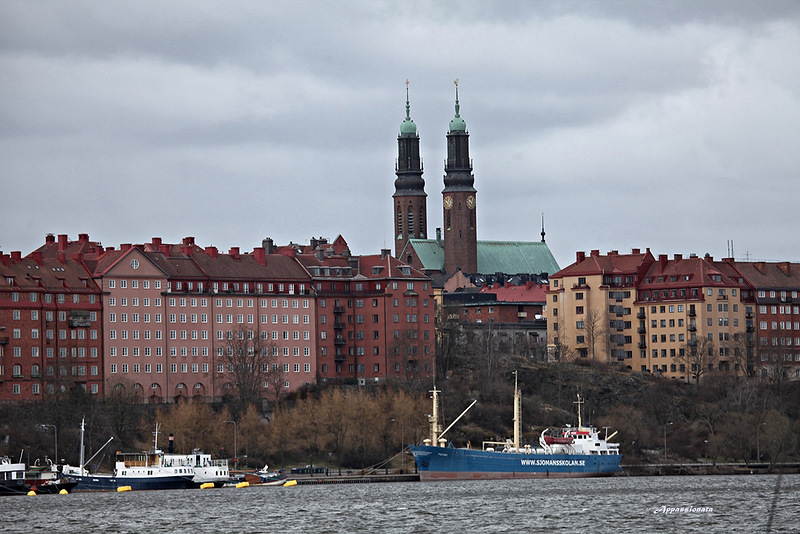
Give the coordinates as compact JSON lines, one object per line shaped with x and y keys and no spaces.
{"x":123,"y":488}
{"x":31,"y":493}
{"x":243,"y":485}
{"x":290,"y":483}
{"x":63,"y":492}
{"x":206,"y":485}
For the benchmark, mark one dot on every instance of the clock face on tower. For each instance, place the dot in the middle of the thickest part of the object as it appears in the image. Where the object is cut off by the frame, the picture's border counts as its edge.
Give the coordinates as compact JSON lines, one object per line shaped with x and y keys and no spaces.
{"x":448,"y":202}
{"x":470,"y":202}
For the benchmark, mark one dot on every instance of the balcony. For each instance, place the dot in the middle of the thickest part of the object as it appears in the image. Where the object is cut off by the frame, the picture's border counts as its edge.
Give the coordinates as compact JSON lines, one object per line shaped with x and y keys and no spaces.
{"x":641,"y":330}
{"x":338,"y":309}
{"x":641,"y":315}
{"x":642,"y":345}
{"x":692,"y":328}
{"x":339,"y":358}
{"x":338,"y":340}
{"x":692,"y":313}
{"x":338,"y":325}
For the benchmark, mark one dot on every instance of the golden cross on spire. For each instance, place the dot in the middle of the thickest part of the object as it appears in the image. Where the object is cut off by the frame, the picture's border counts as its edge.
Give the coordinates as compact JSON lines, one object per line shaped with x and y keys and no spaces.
{"x":406,"y":84}
{"x":456,"y":82}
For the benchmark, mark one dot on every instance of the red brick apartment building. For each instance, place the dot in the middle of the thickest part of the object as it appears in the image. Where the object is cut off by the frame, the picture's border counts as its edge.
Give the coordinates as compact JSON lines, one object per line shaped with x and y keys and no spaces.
{"x":51,"y":327}
{"x":158,"y":318}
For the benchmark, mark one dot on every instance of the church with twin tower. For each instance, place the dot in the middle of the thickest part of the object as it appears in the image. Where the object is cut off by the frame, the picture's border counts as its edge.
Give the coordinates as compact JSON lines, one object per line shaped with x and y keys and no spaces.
{"x":456,"y":246}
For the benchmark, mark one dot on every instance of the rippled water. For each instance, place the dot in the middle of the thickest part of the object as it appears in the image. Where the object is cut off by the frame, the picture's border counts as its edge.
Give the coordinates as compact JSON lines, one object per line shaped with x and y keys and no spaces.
{"x":621,"y":504}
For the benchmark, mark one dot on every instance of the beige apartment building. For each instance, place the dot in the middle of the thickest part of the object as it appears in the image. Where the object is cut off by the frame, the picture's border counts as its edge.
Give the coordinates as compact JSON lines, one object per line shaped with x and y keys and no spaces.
{"x":680,"y":318}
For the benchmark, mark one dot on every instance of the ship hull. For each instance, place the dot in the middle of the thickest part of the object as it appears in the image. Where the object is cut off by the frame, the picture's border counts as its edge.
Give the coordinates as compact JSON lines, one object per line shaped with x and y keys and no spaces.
{"x":448,"y":463}
{"x":111,"y":483}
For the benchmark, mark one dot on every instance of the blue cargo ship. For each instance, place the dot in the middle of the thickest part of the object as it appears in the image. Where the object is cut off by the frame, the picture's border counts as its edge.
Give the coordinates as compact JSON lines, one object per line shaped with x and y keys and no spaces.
{"x":570,"y":453}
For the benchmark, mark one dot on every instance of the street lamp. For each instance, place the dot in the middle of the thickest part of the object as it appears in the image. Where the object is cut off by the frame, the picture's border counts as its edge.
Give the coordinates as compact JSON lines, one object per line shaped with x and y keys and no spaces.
{"x":55,"y":432}
{"x":402,"y":444}
{"x":235,"y":446}
{"x":665,"y":441}
{"x":758,"y":442}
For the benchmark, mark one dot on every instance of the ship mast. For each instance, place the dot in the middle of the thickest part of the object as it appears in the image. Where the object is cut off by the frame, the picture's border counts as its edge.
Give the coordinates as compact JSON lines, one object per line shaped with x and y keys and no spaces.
{"x":579,"y":402}
{"x":83,"y":422}
{"x":517,"y":413}
{"x":436,"y":425}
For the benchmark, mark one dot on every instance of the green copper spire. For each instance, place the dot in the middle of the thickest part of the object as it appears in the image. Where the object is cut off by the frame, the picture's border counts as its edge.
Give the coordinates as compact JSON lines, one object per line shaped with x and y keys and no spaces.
{"x":457,"y":124}
{"x":408,"y":127}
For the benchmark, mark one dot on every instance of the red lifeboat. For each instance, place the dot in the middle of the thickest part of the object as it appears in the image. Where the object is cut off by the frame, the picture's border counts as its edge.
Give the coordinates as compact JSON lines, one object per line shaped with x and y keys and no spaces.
{"x":555,"y":440}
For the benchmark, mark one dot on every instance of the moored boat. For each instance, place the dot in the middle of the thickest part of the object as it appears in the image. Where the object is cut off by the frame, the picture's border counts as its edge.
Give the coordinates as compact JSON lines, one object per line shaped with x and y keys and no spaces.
{"x":576,"y":452}
{"x":206,"y":470}
{"x":265,"y":477}
{"x":12,"y":477}
{"x":47,"y":478}
{"x":137,"y":470}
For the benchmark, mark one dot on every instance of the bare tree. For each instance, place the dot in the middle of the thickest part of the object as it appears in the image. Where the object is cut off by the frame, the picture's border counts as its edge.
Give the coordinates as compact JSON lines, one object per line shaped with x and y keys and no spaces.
{"x":249,"y":359}
{"x":413,"y":356}
{"x":595,"y":330}
{"x":449,"y":343}
{"x":699,"y":356}
{"x":742,"y":348}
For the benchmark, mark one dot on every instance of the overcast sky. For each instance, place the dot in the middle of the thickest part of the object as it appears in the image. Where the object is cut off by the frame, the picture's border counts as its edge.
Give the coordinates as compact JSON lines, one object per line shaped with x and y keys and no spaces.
{"x":633,"y":124}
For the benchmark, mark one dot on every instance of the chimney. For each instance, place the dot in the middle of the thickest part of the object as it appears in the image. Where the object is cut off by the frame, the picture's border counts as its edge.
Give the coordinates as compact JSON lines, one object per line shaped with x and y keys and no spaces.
{"x":83,"y":238}
{"x":5,"y":259}
{"x":678,"y":257}
{"x":62,"y":257}
{"x":16,"y":256}
{"x":234,"y":253}
{"x":268,"y":245}
{"x":580,"y":256}
{"x":37,"y":257}
{"x":385,"y":252}
{"x":125,"y":246}
{"x":636,"y":251}
{"x":212,"y":252}
{"x":156,"y":243}
{"x":595,"y":253}
{"x":188,"y":240}
{"x":49,"y":239}
{"x":662,"y":258}
{"x":62,"y":241}
{"x":260,"y":256}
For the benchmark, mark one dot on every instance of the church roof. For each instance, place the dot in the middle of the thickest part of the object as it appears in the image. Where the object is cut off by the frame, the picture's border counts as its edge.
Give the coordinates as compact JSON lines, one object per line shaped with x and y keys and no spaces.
{"x":510,"y":257}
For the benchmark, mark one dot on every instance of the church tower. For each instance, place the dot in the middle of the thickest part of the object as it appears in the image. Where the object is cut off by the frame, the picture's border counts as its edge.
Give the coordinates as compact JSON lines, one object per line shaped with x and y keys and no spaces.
{"x":460,"y":229}
{"x":410,"y":211}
